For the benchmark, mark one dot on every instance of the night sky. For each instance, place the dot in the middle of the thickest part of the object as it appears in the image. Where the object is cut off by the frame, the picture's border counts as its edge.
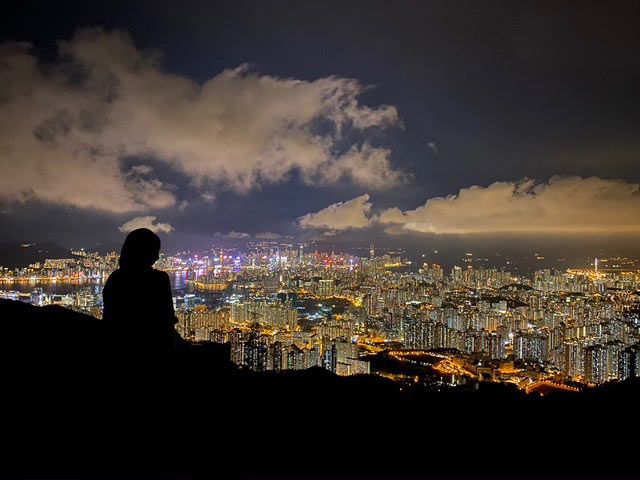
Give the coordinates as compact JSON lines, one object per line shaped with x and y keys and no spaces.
{"x":389,"y":120}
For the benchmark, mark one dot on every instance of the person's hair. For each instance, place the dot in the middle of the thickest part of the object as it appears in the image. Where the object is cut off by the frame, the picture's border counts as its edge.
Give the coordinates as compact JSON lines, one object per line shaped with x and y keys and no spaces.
{"x":141,"y":249}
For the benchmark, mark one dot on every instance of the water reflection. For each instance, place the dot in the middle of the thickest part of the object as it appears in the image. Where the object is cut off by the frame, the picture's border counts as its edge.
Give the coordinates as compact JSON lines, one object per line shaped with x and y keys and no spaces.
{"x":179,"y":284}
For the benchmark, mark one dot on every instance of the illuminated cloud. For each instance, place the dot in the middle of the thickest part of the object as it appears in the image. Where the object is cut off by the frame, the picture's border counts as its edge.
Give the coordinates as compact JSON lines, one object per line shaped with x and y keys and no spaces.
{"x":232,"y":235}
{"x":244,"y":235}
{"x":268,"y":236}
{"x":353,"y":213}
{"x":65,"y":127}
{"x":208,"y":197}
{"x":145,"y":222}
{"x":367,"y":166}
{"x":563,"y":205}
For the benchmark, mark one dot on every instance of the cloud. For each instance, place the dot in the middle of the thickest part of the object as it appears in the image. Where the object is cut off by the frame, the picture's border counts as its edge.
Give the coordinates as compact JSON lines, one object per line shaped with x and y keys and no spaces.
{"x":141,"y":169}
{"x":269,"y":236}
{"x":366,"y":166}
{"x":563,"y":205}
{"x":67,"y":126}
{"x":353,"y":213}
{"x":244,"y":235}
{"x":149,"y":222}
{"x":208,"y":197}
{"x":232,"y":235}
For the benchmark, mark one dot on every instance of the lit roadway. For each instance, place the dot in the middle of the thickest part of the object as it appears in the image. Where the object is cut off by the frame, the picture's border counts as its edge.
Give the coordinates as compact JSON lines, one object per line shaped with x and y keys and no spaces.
{"x":401,"y":354}
{"x":448,"y":367}
{"x":540,"y":384}
{"x":445,"y":365}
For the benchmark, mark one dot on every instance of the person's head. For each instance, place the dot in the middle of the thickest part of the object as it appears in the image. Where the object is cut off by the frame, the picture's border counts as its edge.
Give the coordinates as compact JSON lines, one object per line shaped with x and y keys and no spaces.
{"x":141,"y":249}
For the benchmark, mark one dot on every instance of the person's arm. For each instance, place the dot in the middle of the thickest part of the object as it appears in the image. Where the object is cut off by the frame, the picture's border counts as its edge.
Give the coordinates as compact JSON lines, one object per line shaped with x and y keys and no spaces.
{"x":167,"y":299}
{"x":107,"y":300}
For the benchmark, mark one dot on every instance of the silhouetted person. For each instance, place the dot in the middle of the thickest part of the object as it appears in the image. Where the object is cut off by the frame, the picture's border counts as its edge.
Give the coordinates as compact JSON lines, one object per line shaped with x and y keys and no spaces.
{"x":138,"y":305}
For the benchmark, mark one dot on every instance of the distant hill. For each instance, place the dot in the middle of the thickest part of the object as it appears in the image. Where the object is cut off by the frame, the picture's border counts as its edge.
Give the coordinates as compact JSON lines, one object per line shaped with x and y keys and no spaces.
{"x":70,"y":408}
{"x":104,"y":248}
{"x":22,"y":254}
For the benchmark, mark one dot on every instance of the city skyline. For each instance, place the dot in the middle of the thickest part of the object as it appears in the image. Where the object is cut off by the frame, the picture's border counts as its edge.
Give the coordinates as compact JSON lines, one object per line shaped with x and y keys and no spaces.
{"x":287,"y":307}
{"x":452,"y":126}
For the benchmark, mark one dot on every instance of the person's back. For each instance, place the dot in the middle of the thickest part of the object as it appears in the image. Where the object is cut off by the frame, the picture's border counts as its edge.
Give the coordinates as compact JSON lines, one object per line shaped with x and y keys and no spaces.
{"x":137,"y":301}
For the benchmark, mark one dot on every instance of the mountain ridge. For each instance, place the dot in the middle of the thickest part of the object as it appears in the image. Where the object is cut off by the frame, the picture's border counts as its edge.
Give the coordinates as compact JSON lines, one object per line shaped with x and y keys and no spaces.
{"x":18,"y":254}
{"x":70,"y":410}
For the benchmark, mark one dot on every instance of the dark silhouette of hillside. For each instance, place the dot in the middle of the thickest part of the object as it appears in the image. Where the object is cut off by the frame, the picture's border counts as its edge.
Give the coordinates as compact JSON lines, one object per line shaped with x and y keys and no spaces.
{"x":21,"y":254}
{"x":68,"y":411}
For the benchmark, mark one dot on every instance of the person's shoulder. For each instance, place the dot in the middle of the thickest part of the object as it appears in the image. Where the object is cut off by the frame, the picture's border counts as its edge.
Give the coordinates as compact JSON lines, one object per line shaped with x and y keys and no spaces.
{"x":115,"y":275}
{"x":160,"y":275}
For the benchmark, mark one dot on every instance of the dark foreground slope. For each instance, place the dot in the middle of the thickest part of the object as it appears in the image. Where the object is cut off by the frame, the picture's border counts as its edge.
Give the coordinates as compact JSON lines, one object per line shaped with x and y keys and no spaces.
{"x":70,"y":408}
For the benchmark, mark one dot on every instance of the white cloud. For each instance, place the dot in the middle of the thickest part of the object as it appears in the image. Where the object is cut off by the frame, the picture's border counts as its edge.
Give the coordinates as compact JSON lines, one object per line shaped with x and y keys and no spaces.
{"x":232,"y":235}
{"x":563,"y":205}
{"x":268,"y":236}
{"x":142,"y":169}
{"x":243,"y":235}
{"x":149,"y":222}
{"x":208,"y":197}
{"x":366,"y":166}
{"x":353,"y":213}
{"x":65,"y":127}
